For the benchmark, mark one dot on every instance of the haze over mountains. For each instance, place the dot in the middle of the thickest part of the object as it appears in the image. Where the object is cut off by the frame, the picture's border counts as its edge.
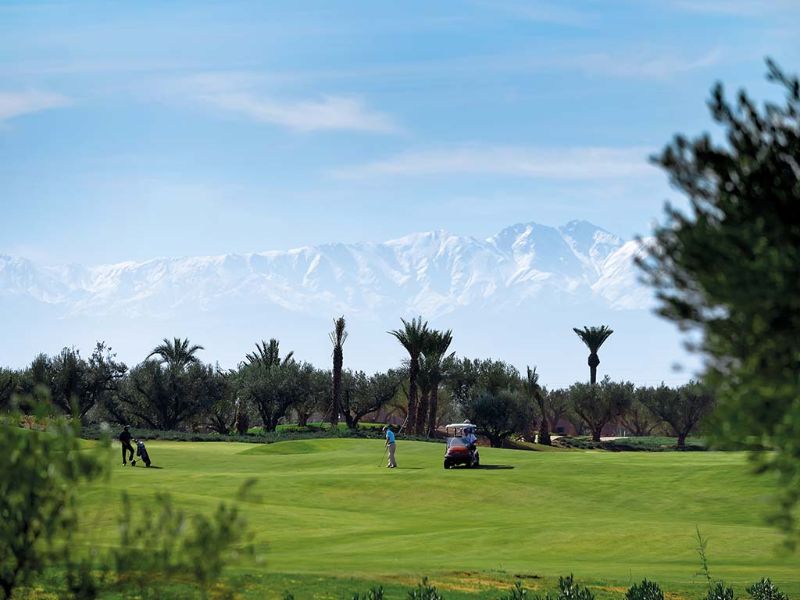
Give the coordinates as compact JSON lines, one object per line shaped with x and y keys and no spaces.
{"x":515,"y":295}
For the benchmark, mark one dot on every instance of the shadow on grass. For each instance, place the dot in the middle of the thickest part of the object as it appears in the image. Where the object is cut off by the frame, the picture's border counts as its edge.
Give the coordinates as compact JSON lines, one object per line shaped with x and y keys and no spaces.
{"x":482,"y":468}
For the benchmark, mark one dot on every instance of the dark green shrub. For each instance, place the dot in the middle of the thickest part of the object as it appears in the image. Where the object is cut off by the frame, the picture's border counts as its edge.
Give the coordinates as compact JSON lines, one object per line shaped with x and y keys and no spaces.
{"x":719,"y":591}
{"x":516,"y":593}
{"x":40,"y":473}
{"x":647,"y":590}
{"x":375,"y":593}
{"x":424,"y":591}
{"x":766,"y":590}
{"x":568,"y":590}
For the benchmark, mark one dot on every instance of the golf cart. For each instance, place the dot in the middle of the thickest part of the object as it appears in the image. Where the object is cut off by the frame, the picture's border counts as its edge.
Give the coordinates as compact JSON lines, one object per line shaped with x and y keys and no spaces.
{"x":461,"y":448}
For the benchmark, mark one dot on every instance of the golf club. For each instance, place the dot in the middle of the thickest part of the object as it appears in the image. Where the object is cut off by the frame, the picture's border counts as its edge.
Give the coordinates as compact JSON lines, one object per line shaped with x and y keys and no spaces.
{"x":385,"y":450}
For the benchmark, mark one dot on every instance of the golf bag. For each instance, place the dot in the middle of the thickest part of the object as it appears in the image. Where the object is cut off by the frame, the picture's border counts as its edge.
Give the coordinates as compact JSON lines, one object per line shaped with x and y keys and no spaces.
{"x":141,"y":452}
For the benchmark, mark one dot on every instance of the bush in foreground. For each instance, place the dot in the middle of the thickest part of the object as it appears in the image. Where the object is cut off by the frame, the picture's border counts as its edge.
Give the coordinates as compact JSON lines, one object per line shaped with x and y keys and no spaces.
{"x":766,"y":590}
{"x":647,"y":590}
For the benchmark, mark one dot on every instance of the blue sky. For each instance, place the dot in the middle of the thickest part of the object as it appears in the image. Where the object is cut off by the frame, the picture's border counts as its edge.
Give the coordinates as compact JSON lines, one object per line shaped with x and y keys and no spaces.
{"x":137,"y":129}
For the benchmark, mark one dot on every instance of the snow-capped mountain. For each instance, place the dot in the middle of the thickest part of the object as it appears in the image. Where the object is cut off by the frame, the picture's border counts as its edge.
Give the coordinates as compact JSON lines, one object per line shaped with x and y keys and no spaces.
{"x":430,"y":273}
{"x":515,"y":295}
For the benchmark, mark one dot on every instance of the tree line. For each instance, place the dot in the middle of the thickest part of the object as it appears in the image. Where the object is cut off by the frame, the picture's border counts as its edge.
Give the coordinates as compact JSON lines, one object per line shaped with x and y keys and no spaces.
{"x":171,"y":389}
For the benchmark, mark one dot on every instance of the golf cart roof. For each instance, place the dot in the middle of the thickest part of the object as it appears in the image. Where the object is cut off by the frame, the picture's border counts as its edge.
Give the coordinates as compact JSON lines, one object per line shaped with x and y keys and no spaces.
{"x":459,"y":425}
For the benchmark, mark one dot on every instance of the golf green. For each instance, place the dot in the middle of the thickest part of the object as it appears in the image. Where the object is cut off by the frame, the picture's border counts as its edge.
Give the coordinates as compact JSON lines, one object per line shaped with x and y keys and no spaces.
{"x":325,"y":510}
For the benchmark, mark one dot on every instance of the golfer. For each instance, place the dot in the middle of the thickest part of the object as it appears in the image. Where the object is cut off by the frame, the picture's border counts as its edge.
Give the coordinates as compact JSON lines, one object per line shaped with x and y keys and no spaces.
{"x":125,"y":439}
{"x":390,"y":445}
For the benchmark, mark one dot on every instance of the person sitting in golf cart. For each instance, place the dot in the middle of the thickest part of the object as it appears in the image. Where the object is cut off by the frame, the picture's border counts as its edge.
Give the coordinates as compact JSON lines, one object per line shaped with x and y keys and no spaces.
{"x":469,"y":435}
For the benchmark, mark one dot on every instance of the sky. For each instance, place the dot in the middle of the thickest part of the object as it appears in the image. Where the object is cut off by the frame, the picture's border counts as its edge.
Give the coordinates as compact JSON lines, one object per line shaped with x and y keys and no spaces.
{"x":130,"y":130}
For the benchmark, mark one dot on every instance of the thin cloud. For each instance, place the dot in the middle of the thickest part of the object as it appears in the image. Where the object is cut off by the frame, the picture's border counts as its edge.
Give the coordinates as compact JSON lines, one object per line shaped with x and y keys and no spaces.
{"x":237,"y":93}
{"x":16,"y":104}
{"x":735,"y":8}
{"x":326,"y":113}
{"x":642,"y":65}
{"x":517,"y":161}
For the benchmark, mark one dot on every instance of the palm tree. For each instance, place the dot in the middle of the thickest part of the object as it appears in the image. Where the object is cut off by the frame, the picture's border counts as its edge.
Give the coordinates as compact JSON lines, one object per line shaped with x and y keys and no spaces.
{"x":337,"y":336}
{"x":536,"y":392}
{"x":593,"y":337}
{"x":269,"y":355}
{"x":176,"y":354}
{"x":435,"y":362}
{"x":412,"y":337}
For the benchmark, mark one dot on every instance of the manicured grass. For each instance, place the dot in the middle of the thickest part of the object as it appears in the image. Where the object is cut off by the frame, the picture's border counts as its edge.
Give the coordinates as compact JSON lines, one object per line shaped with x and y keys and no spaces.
{"x":329,"y":520}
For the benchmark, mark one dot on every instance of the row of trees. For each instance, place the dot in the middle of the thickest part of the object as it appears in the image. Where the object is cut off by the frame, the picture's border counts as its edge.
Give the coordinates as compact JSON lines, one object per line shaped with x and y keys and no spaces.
{"x":171,"y":389}
{"x":493,"y":395}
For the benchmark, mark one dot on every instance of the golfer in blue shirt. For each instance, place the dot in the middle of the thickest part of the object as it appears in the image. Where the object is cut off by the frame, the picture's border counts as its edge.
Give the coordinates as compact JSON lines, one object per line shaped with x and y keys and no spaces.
{"x":390,"y":445}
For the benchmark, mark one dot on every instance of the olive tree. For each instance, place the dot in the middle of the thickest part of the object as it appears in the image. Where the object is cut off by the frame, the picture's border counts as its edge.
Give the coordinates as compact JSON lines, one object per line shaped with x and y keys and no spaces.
{"x":599,"y":404}
{"x":365,"y":394}
{"x":680,"y":408}
{"x":727,"y":268}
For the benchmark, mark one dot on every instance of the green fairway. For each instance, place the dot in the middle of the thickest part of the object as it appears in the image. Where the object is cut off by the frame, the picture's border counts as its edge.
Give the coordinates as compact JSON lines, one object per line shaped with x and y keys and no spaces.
{"x":326,"y":510}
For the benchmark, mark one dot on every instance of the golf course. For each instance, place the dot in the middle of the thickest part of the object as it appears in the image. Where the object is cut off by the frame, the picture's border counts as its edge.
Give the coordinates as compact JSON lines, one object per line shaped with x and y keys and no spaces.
{"x":328,"y":520}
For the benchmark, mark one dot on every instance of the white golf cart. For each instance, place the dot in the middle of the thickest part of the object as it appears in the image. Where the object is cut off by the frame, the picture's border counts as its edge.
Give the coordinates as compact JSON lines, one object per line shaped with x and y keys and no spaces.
{"x":461,"y":448}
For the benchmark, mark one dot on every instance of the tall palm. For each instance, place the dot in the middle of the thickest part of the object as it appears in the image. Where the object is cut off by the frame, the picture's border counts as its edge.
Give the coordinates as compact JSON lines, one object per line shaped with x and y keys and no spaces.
{"x":593,"y":337}
{"x":176,"y":354}
{"x":338,"y":337}
{"x":269,"y":355}
{"x":536,"y":393}
{"x":436,"y":362}
{"x":412,"y":337}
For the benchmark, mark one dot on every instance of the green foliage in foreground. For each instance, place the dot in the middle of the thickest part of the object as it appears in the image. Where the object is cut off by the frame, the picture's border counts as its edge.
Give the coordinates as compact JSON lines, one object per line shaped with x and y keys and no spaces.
{"x":329,"y":522}
{"x":43,"y":525}
{"x":39,"y":471}
{"x":728,"y":268}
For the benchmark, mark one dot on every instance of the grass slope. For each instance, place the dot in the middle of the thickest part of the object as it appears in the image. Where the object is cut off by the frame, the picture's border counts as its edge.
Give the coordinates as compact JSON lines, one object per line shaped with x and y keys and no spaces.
{"x":326,"y":510}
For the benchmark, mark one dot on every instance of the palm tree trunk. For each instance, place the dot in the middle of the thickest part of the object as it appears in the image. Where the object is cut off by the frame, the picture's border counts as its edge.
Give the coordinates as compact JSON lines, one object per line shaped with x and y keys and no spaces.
{"x":433,"y":407}
{"x":422,"y":413}
{"x":544,"y":433}
{"x":593,"y":361}
{"x":336,"y":400}
{"x":413,"y":369}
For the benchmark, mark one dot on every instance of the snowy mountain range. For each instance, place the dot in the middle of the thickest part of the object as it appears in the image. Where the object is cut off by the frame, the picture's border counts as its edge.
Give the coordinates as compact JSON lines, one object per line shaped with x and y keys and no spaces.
{"x":430,"y":273}
{"x":485,"y":289}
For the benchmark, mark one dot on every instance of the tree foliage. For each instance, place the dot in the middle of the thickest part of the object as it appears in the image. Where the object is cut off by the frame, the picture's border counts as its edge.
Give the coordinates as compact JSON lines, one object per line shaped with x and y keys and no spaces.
{"x":680,"y":408}
{"x":638,"y":419}
{"x":273,"y":390}
{"x":412,"y":336}
{"x":163,"y":397}
{"x":365,"y":394}
{"x":498,"y":414}
{"x":177,"y":353}
{"x":599,"y":404}
{"x":593,"y":337}
{"x":435,"y":363}
{"x":728,"y":268}
{"x":75,"y":384}
{"x":39,"y":476}
{"x":269,"y":355}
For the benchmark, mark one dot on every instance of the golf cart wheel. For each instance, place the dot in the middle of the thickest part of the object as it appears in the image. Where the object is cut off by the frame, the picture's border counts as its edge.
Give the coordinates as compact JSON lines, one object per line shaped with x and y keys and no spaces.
{"x":447,"y":464}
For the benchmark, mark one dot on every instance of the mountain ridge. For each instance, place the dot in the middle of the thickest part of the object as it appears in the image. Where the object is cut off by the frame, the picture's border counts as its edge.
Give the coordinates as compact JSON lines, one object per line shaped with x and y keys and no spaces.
{"x":431,"y":272}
